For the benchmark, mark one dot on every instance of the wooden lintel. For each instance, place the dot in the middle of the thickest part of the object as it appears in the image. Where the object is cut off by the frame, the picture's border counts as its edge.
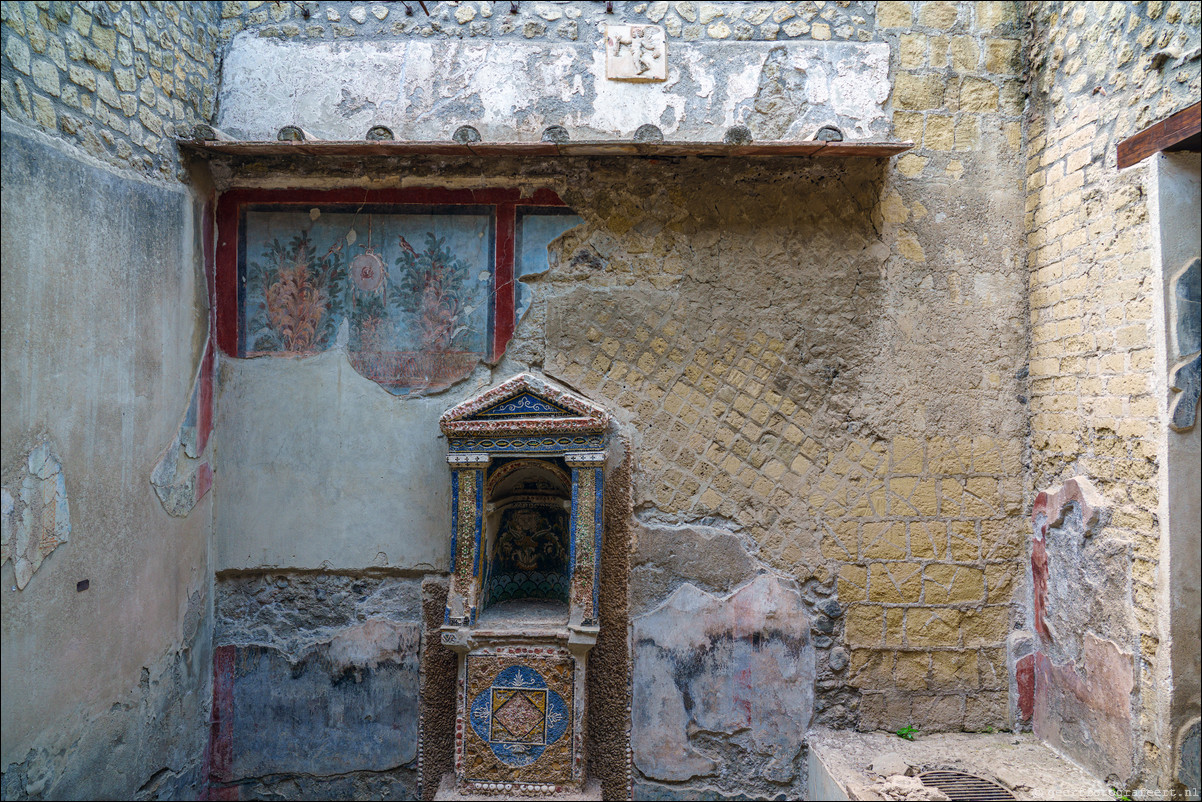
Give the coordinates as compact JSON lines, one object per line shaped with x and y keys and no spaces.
{"x":327,"y":148}
{"x":1161,"y":136}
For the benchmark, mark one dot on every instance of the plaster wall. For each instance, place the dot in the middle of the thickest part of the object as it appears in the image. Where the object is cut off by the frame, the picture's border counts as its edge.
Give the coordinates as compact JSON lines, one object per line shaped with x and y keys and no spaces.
{"x":819,"y":365}
{"x":1176,"y":188}
{"x":107,"y":647}
{"x":510,"y":91}
{"x":316,"y":685}
{"x":828,"y":370}
{"x":322,"y":468}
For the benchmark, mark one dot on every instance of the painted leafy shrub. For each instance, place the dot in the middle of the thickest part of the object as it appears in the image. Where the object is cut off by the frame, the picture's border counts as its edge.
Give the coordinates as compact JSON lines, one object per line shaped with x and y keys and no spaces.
{"x":298,"y":296}
{"x":431,"y":291}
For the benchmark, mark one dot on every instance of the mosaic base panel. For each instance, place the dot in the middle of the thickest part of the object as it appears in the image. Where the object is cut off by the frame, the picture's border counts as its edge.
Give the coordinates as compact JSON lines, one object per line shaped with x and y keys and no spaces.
{"x":519,"y":718}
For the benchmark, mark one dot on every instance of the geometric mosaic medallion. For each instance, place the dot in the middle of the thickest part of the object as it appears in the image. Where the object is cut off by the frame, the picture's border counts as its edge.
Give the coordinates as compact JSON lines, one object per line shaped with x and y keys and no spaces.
{"x":518,"y":716}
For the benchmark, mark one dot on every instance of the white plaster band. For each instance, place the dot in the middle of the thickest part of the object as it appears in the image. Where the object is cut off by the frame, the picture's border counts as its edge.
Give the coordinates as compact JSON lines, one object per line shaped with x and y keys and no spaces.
{"x":587,"y":459}
{"x":469,"y":459}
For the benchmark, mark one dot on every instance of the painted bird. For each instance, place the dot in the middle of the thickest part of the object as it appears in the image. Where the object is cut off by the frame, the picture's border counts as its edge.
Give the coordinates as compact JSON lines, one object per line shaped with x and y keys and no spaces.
{"x":406,"y":247}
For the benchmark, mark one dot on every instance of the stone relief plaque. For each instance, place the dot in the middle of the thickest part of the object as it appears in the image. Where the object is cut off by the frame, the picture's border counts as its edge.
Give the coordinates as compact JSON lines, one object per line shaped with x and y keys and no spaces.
{"x":636,"y":53}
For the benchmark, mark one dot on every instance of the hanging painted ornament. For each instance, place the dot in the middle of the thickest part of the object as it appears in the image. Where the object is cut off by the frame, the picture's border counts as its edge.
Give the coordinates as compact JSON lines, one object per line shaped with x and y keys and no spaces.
{"x":367,"y":271}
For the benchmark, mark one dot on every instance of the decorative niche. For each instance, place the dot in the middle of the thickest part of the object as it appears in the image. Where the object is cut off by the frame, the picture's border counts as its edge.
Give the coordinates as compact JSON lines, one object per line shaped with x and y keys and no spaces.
{"x":527,"y":522}
{"x":527,"y":478}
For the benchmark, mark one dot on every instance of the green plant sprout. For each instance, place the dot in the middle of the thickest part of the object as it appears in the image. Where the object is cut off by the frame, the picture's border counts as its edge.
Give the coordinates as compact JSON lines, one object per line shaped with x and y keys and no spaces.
{"x":907,"y":733}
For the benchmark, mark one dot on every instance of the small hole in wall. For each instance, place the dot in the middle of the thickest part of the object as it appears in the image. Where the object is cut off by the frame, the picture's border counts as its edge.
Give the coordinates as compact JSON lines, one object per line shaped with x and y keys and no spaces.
{"x":82,"y":585}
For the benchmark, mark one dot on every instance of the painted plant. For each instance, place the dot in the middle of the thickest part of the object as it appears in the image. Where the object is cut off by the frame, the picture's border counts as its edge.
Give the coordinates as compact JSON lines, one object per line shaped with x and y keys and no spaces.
{"x":297,"y":296}
{"x":432,"y":284}
{"x":410,"y":318}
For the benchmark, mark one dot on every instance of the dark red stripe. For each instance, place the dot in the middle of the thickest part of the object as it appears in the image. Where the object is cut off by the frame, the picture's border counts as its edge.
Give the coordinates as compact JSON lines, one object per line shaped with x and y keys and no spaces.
{"x":504,"y":294}
{"x":227,"y":273}
{"x":221,"y":736}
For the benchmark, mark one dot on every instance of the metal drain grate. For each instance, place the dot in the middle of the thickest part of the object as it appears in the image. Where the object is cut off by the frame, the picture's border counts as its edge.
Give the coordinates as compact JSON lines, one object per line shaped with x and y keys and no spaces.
{"x":961,"y":787}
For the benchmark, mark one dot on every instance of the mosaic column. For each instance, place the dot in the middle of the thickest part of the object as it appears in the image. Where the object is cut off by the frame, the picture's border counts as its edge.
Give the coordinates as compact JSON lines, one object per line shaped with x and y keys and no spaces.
{"x":467,"y":528}
{"x":588,"y":470}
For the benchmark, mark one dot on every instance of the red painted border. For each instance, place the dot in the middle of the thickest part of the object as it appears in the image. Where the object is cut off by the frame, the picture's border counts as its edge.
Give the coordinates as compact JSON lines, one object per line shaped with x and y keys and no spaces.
{"x":220,"y":753}
{"x":503,"y":292}
{"x":504,"y":199}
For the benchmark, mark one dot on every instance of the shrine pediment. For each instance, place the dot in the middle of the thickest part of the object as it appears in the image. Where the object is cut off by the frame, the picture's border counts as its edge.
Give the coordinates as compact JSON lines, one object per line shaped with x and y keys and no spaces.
{"x":524,"y":404}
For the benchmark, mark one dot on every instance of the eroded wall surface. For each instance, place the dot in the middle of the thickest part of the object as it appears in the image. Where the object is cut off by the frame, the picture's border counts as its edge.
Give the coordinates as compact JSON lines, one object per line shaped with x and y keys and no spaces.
{"x":316,"y":686}
{"x":107,"y":637}
{"x":735,"y":357}
{"x":1100,"y":74}
{"x":821,"y":370}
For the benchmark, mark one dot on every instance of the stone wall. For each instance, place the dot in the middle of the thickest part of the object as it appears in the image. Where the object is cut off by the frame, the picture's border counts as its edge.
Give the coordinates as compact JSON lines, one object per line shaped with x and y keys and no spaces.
{"x":825,"y":370}
{"x":1099,"y":74}
{"x":783,"y":426}
{"x":107,"y":623}
{"x":120,"y":79}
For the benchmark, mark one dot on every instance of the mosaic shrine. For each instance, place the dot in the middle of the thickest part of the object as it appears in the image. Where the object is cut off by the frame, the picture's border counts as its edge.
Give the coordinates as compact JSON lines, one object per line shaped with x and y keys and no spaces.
{"x":521,"y":711}
{"x":528,"y":544}
{"x":522,"y":609}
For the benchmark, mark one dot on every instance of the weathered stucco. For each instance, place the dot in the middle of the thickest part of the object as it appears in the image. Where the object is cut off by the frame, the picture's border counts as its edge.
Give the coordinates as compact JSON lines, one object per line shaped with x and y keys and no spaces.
{"x":317,"y":685}
{"x":731,"y":672}
{"x":511,"y":90}
{"x":106,"y":649}
{"x":1100,"y":74}
{"x":351,"y":487}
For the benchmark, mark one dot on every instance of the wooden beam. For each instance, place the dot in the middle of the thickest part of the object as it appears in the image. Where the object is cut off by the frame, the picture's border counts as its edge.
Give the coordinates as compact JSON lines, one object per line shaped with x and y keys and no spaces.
{"x":332,"y":149}
{"x":1160,"y":136}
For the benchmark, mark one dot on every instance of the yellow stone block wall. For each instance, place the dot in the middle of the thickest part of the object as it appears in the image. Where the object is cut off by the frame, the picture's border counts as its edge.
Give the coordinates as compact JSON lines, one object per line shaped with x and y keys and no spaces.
{"x":839,"y":387}
{"x":1095,"y":80}
{"x":892,"y":473}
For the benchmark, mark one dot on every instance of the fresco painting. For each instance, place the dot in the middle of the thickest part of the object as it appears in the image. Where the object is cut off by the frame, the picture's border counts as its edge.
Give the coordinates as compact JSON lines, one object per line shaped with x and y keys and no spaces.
{"x":408,"y":294}
{"x":536,"y":229}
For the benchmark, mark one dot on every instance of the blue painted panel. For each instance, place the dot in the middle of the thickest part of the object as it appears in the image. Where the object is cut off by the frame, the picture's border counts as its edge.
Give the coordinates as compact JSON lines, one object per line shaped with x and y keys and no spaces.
{"x":535,"y":232}
{"x":319,"y":716}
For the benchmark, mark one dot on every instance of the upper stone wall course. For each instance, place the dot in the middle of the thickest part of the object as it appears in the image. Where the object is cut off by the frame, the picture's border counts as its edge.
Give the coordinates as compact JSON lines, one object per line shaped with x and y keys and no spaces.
{"x":119,"y":79}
